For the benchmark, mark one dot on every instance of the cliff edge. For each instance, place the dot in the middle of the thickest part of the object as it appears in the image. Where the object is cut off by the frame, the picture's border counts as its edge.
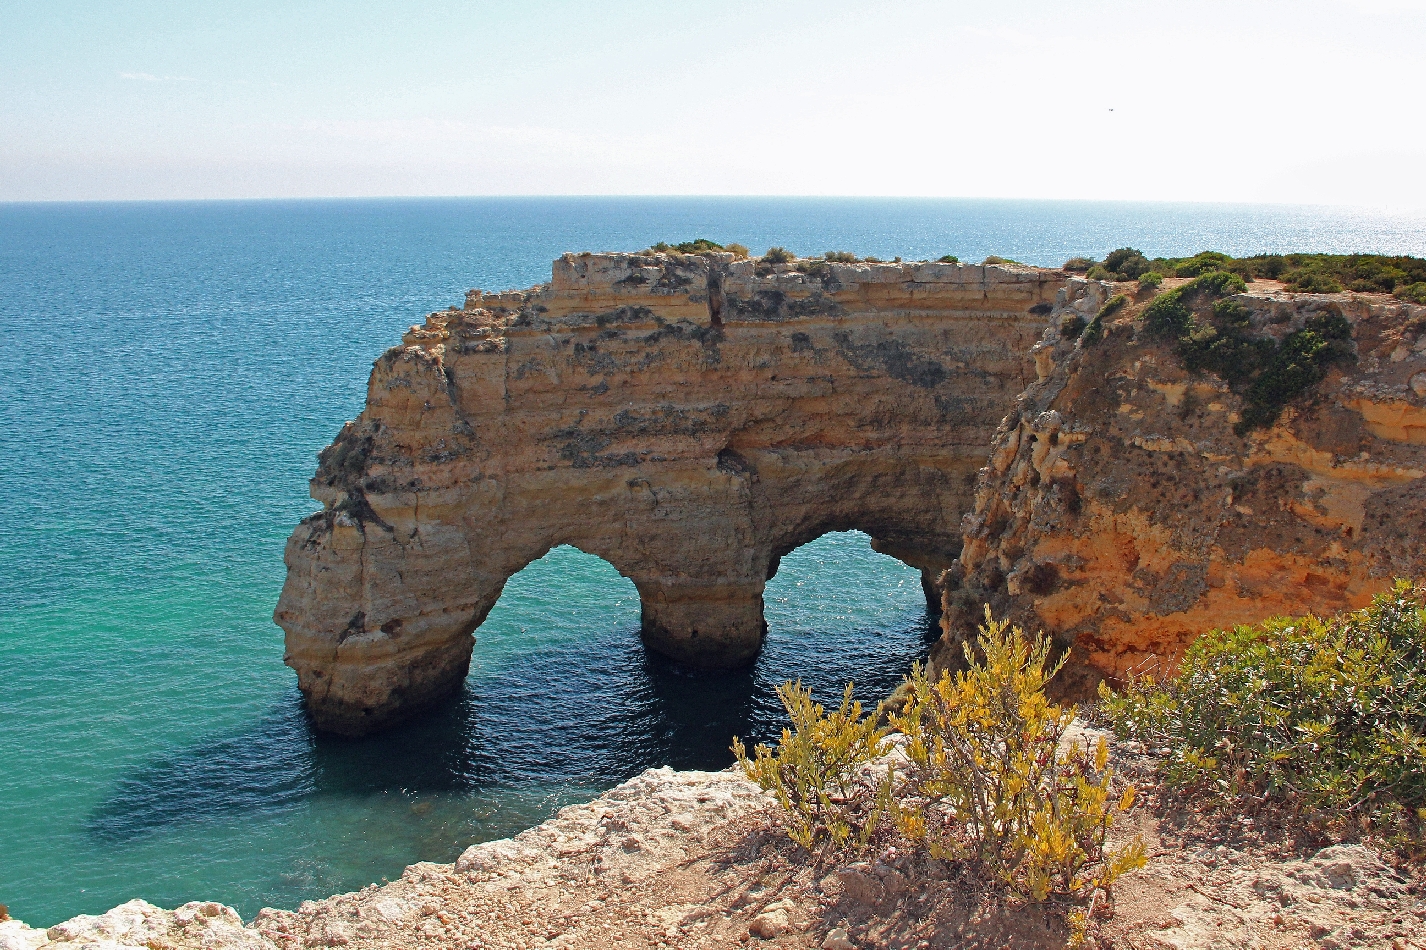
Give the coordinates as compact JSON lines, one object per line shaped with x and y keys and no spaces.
{"x":1126,"y":508}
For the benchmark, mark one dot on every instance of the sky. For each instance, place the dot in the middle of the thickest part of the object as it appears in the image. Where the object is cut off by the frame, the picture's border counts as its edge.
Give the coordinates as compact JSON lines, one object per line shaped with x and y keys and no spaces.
{"x":1299,"y":101}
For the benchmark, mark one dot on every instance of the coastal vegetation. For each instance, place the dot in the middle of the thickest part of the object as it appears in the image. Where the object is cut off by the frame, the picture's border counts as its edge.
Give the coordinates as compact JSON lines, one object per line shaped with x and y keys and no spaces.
{"x":1095,"y":331}
{"x":1211,"y":334}
{"x":699,"y":246}
{"x":1401,"y":275}
{"x":982,"y":773}
{"x":1325,"y":717}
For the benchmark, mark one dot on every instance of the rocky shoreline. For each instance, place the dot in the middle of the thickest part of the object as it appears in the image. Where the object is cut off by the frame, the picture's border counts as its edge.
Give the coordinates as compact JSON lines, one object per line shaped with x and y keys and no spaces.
{"x":695,"y":859}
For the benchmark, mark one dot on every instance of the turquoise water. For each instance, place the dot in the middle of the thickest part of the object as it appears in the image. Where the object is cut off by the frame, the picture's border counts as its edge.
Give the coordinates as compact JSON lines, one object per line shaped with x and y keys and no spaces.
{"x":172,"y":370}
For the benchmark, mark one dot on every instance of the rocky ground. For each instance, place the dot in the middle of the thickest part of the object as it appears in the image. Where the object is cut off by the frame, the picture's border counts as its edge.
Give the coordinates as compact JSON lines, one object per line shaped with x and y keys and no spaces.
{"x":690,"y":859}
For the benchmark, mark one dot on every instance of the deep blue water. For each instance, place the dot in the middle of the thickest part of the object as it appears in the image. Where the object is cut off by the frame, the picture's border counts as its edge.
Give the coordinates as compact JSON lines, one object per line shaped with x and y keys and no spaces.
{"x":172,"y":370}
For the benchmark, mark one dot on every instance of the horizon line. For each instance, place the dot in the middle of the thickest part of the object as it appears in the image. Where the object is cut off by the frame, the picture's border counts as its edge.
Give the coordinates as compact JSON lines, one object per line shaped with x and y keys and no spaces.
{"x":1379,"y":209}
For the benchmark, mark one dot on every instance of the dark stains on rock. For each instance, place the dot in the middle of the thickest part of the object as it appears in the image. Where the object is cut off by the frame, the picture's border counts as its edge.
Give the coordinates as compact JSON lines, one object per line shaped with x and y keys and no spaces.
{"x":355,"y":627}
{"x":892,"y":357}
{"x":730,"y":462}
{"x":618,"y":315}
{"x":588,"y":357}
{"x":670,"y":420}
{"x":775,"y":305}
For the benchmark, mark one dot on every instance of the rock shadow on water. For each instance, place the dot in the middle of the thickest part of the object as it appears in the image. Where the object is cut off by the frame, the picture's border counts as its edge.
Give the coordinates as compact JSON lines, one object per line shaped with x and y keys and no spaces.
{"x":279,"y":762}
{"x":547,"y":724}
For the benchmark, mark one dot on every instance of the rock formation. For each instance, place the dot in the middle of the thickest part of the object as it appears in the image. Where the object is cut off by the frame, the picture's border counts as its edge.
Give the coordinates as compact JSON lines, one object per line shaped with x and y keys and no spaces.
{"x":689,"y":419}
{"x":692,"y":418}
{"x":1122,"y":513}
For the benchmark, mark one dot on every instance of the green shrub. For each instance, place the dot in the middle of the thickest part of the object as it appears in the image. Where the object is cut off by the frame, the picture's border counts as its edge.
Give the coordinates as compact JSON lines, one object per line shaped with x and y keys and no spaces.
{"x":1294,"y":366}
{"x":1201,"y":263}
{"x":1217,"y":284}
{"x":1095,"y":331}
{"x":993,"y":259}
{"x":1099,"y":272}
{"x":1167,"y":315}
{"x":1269,"y":374}
{"x":1078,"y":265}
{"x":1308,"y":273}
{"x":822,"y":773}
{"x":1325,"y":716}
{"x":1126,"y":263}
{"x":948,"y":259}
{"x":1311,"y":281}
{"x":697,"y":246}
{"x":737,"y":250}
{"x":1071,"y":326}
{"x":779,"y":255}
{"x":840,"y":257}
{"x":1416,"y":293}
{"x":992,"y":782}
{"x":1149,"y":280}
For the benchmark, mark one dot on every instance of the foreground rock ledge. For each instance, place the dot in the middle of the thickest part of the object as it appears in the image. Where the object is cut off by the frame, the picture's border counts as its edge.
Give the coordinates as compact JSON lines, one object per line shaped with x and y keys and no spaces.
{"x":688,"y":859}
{"x":689,"y":419}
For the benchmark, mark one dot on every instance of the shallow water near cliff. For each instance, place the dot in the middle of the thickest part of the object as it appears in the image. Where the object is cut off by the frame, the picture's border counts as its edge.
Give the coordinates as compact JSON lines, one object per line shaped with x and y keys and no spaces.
{"x":174,"y":368}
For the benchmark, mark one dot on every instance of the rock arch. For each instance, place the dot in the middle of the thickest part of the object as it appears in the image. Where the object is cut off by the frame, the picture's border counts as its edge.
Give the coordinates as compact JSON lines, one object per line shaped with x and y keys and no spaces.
{"x":689,"y":419}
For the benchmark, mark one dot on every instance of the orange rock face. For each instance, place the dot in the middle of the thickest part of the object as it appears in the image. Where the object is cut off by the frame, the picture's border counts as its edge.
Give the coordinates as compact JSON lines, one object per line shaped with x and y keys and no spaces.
{"x":688,"y":419}
{"x":1122,"y":514}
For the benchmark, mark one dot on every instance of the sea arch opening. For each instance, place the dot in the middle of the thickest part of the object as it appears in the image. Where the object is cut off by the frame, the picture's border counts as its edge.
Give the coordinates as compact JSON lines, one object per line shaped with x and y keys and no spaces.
{"x":560,"y":596}
{"x":838,"y":610}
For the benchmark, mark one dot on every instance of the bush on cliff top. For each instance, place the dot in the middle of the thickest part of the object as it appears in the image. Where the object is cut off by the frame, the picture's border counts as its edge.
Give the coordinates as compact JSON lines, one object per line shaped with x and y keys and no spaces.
{"x":1268,"y":374}
{"x":1310,"y":273}
{"x":988,"y":779}
{"x":699,"y":246}
{"x":1325,"y":716}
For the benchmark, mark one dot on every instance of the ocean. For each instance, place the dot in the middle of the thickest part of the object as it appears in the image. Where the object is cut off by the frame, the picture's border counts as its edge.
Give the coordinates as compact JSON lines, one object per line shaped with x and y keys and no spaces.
{"x":174,"y":369}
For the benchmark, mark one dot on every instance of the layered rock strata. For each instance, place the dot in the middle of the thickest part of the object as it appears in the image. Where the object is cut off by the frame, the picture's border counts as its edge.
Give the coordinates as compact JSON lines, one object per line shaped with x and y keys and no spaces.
{"x":1121,"y":511}
{"x":689,"y":419}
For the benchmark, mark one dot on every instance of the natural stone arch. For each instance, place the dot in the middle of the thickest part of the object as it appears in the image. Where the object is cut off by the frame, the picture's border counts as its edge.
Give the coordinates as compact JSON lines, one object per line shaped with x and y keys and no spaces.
{"x":608,"y":411}
{"x":566,"y":589}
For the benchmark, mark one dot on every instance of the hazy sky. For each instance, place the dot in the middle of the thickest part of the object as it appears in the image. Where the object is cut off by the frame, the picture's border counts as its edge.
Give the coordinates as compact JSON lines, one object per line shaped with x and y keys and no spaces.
{"x":1228,"y":100}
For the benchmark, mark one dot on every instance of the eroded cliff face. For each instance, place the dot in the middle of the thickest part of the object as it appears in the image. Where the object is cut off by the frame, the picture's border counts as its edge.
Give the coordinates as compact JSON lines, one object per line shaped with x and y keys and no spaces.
{"x":688,"y":419}
{"x":1121,"y":513}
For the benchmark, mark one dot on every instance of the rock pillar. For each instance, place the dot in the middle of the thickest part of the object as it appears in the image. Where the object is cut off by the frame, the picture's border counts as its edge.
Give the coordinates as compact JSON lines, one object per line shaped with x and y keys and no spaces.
{"x":707,"y":624}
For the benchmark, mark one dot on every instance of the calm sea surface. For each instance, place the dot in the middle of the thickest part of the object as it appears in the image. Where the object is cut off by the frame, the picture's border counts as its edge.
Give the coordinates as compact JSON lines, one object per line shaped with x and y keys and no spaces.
{"x":171,"y":372}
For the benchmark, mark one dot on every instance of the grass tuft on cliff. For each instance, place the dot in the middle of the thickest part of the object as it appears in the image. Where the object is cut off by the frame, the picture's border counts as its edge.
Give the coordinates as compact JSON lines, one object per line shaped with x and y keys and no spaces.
{"x":1324,"y":716}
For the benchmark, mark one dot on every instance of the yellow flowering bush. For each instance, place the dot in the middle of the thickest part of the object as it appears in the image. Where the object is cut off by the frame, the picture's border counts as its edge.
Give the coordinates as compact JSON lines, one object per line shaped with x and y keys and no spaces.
{"x":992,"y":779}
{"x":822,"y":772}
{"x":985,"y":774}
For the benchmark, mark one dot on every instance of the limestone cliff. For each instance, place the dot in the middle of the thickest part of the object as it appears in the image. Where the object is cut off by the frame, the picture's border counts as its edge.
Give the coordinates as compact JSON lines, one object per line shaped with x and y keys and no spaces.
{"x":1122,"y":513}
{"x":690,"y":419}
